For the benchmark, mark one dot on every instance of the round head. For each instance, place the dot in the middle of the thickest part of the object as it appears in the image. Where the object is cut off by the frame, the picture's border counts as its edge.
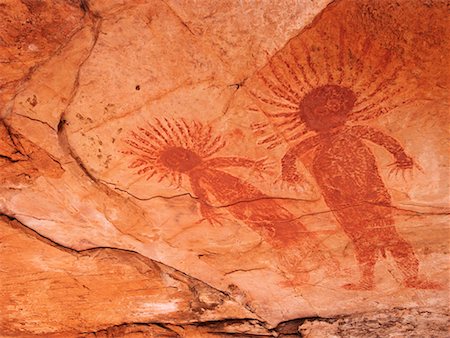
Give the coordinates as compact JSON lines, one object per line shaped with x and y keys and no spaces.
{"x":326,"y":107}
{"x":179,"y":159}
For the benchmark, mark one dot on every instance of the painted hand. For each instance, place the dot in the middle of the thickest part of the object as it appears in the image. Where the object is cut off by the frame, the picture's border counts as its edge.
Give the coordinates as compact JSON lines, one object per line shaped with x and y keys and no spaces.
{"x":263,"y":166}
{"x":291,"y":180}
{"x":211,"y":215}
{"x":402,"y":163}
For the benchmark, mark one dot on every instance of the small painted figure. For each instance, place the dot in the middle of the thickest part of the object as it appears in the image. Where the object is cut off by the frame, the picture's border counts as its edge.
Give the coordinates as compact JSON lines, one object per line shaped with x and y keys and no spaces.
{"x":178,"y":149}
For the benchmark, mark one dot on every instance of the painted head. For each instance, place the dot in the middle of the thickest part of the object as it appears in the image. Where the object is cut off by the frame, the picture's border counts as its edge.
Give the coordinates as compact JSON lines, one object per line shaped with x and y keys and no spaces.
{"x":326,"y":107}
{"x":179,"y":159}
{"x":170,"y":148}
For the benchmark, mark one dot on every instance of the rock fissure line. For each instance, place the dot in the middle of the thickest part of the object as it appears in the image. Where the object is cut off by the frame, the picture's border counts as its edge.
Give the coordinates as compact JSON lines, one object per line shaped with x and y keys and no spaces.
{"x":61,"y":132}
{"x":178,"y":17}
{"x":156,"y":97}
{"x":37,"y":120}
{"x":243,"y":270}
{"x":219,"y":324}
{"x":294,"y":199}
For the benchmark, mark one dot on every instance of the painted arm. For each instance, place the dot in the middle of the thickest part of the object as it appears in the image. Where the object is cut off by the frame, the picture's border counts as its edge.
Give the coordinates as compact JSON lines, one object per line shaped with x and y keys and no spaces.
{"x":288,"y":167}
{"x":402,"y":160}
{"x":223,"y":162}
{"x":260,"y":167}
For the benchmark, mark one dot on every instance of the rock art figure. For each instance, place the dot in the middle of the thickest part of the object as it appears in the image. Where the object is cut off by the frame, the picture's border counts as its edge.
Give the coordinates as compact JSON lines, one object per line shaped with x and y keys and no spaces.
{"x":347,"y":173}
{"x":176,"y":149}
{"x":302,"y":96}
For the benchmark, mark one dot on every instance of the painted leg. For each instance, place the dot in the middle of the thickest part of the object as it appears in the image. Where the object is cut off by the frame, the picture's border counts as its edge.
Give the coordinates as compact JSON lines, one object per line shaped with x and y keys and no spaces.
{"x":407,"y":262}
{"x":366,"y":255}
{"x":293,"y":265}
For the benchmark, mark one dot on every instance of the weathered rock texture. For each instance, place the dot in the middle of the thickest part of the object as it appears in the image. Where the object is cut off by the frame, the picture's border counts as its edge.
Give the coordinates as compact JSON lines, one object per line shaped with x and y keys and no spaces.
{"x":214,"y":168}
{"x":391,"y":323}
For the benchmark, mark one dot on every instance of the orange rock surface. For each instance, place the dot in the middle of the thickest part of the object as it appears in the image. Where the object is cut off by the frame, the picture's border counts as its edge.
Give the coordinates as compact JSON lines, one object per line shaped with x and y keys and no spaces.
{"x":206,"y":169}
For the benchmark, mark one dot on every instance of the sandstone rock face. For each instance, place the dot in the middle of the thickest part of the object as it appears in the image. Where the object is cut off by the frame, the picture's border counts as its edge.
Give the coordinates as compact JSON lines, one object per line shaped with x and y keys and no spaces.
{"x":206,"y":169}
{"x":392,"y":323}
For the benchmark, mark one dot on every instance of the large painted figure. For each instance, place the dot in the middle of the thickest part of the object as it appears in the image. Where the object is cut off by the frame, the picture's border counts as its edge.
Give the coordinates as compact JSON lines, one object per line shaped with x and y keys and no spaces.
{"x":347,"y":174}
{"x":315,"y":104}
